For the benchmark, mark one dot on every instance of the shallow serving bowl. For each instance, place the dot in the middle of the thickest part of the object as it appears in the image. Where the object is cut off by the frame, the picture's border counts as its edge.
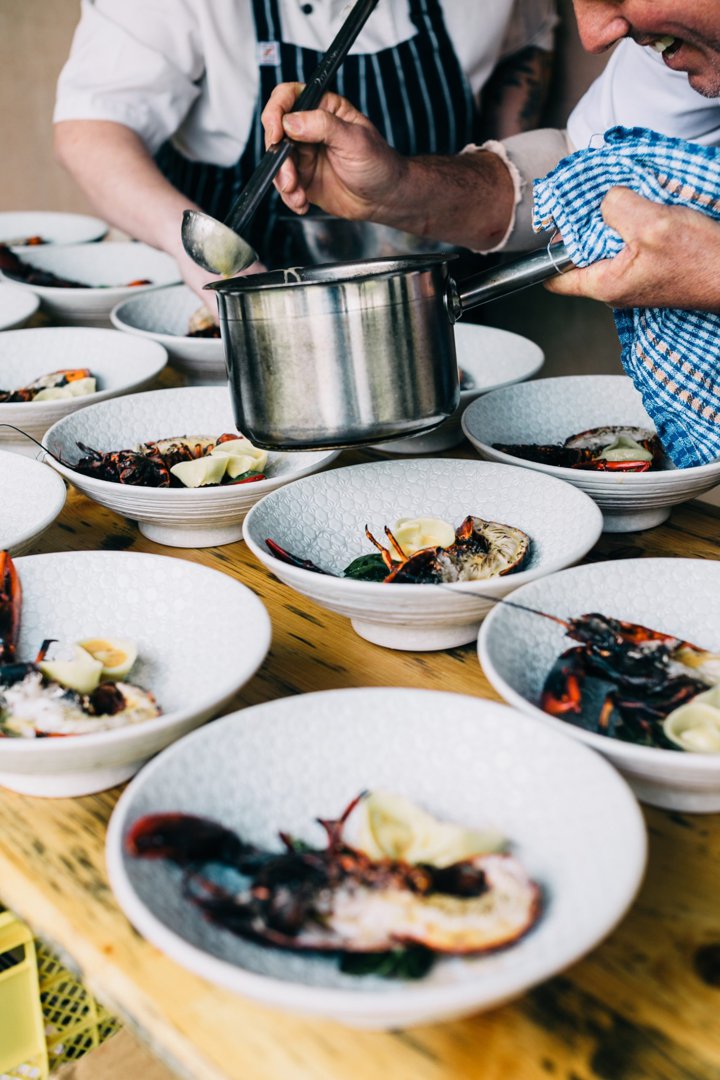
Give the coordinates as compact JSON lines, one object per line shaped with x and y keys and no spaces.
{"x":120,"y":364}
{"x":464,"y":759}
{"x":54,"y":227}
{"x":31,"y":497}
{"x":490,"y":358}
{"x":675,"y":596}
{"x":17,"y":306}
{"x":550,"y":410}
{"x":200,"y":635}
{"x":162,"y":315}
{"x":107,"y":269}
{"x":323,"y":518}
{"x":180,"y":517}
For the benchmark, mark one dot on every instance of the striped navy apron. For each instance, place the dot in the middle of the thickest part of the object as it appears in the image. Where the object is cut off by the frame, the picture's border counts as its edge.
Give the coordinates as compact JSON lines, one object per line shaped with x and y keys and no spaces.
{"x":416,"y":94}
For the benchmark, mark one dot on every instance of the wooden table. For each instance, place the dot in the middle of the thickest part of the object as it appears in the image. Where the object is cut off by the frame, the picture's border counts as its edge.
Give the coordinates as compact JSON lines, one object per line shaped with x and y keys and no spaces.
{"x":643,"y":1006}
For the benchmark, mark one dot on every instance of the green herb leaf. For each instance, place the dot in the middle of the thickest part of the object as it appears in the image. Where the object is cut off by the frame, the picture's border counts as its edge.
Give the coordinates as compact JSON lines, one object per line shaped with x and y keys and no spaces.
{"x":299,"y":846}
{"x":411,"y":963}
{"x":367,"y":568}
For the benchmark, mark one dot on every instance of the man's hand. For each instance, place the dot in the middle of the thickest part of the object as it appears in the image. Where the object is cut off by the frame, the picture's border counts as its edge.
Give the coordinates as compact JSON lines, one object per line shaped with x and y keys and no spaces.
{"x":341,"y":162}
{"x":343,"y":165}
{"x":670,"y":259}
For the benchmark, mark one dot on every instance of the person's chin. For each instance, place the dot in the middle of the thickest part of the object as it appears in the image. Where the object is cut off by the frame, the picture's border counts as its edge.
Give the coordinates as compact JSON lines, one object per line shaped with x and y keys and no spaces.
{"x":703,"y":73}
{"x":706,"y":83}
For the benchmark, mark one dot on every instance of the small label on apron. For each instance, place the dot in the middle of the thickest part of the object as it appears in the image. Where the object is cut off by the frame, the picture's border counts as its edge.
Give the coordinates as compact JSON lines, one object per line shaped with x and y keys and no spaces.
{"x":267,"y":53}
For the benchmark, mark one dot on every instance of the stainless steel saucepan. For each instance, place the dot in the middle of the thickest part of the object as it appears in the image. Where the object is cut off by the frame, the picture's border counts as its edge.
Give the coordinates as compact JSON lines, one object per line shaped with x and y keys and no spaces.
{"x":356,"y":352}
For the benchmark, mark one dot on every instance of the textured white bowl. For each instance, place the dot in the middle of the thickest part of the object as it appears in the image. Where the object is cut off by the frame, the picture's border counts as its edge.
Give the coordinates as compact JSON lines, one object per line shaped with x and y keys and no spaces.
{"x":323,"y":518}
{"x":120,"y":363}
{"x":491,"y":358}
{"x":550,"y":410}
{"x":162,"y":315}
{"x":105,"y":267}
{"x":462,"y":758}
{"x":676,"y":596}
{"x":180,"y":517}
{"x":53,"y":226}
{"x":17,"y":306}
{"x":31,"y":497}
{"x":200,"y":635}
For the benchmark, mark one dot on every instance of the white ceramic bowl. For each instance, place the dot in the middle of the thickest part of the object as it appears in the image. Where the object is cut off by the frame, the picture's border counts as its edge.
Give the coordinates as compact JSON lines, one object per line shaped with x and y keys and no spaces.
{"x":180,"y":517}
{"x":31,"y":497}
{"x":121,"y":365}
{"x":163,"y":316}
{"x":17,"y":306}
{"x":550,"y":410}
{"x":200,"y":635}
{"x":53,"y":226}
{"x":490,"y":358}
{"x":675,"y":596}
{"x":323,"y":518}
{"x":107,"y":268}
{"x":464,"y":759}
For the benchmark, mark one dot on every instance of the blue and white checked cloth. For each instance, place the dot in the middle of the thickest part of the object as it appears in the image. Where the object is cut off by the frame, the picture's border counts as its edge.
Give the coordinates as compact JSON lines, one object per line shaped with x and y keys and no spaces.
{"x":672,"y":356}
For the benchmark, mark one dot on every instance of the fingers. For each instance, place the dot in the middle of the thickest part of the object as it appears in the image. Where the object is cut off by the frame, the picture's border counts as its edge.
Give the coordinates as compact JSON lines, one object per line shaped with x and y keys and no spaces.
{"x":281,"y":101}
{"x":318,"y":126}
{"x":606,"y":280}
{"x":572,"y":283}
{"x":621,"y":205}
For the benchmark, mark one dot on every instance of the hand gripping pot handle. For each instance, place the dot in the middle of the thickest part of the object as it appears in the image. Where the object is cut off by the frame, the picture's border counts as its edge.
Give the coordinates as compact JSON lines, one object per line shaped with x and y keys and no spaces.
{"x":509,"y":278}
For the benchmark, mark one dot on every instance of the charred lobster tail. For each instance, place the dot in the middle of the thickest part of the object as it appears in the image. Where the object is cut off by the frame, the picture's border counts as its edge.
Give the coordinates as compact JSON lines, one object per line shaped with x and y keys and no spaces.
{"x":338,"y":899}
{"x":624,"y":679}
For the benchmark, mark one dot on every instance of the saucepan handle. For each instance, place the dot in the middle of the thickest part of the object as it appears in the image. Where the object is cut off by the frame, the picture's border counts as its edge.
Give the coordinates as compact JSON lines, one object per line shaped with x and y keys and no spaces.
{"x":508,"y":278}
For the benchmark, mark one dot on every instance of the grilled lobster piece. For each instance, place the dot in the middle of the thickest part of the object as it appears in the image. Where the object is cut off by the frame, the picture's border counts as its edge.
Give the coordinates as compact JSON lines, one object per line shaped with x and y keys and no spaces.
{"x":10,"y":604}
{"x":338,"y":898}
{"x":624,"y":678}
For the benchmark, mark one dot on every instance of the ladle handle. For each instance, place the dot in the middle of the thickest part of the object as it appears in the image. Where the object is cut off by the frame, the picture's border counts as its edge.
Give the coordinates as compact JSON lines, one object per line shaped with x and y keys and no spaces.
{"x":245,"y":207}
{"x":513,"y":276}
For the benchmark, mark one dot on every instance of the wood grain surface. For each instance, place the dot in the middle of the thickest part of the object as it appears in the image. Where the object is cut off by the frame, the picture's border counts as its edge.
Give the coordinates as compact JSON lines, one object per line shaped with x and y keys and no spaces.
{"x":643,"y":1006}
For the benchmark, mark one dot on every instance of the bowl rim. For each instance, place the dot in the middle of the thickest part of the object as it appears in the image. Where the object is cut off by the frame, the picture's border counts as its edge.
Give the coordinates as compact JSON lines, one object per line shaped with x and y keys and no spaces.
{"x":27,"y":305}
{"x":466,"y":396}
{"x":153,"y":368}
{"x":55,"y":497}
{"x":325,"y":1000}
{"x":575,"y":476}
{"x":83,"y":292}
{"x":491,"y":586}
{"x":226,"y":492}
{"x":100,"y":226}
{"x":626,"y":752}
{"x":256,"y":653}
{"x":212,"y":346}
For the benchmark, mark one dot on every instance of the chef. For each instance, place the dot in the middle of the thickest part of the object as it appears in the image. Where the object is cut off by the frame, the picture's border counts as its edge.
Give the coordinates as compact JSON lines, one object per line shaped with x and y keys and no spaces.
{"x":664,"y":75}
{"x":158,"y":107}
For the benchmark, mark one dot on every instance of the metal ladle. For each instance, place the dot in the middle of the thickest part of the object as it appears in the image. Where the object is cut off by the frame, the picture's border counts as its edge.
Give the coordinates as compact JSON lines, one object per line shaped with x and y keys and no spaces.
{"x":220,"y":248}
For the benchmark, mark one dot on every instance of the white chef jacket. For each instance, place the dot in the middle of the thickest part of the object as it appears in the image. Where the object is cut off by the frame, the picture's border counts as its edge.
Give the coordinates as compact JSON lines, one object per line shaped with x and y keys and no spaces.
{"x":637,"y":89}
{"x":188,"y":68}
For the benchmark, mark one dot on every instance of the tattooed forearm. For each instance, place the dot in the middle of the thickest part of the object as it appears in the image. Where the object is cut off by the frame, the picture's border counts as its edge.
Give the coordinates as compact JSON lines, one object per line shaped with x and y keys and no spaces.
{"x":514,"y":97}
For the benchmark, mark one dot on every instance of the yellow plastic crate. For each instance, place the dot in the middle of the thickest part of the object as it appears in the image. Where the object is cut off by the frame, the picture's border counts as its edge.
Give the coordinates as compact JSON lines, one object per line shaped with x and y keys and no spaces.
{"x":47,"y":1016}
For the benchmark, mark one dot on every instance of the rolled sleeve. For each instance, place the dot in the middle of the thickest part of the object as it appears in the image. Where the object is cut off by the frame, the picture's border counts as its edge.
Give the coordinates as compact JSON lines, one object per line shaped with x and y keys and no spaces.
{"x":136,"y":63}
{"x":528,"y":156}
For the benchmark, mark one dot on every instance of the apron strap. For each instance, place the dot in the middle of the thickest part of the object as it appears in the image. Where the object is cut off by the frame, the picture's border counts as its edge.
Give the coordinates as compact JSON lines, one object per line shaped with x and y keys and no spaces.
{"x":267,"y":20}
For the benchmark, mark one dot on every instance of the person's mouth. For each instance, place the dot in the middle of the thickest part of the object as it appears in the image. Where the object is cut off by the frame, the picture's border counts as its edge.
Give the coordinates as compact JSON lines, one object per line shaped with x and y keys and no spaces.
{"x":667,"y":45}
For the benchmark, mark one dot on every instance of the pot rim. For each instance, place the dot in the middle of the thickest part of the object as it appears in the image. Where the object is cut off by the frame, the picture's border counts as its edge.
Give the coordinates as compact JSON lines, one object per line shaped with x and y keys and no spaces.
{"x":342,"y":273}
